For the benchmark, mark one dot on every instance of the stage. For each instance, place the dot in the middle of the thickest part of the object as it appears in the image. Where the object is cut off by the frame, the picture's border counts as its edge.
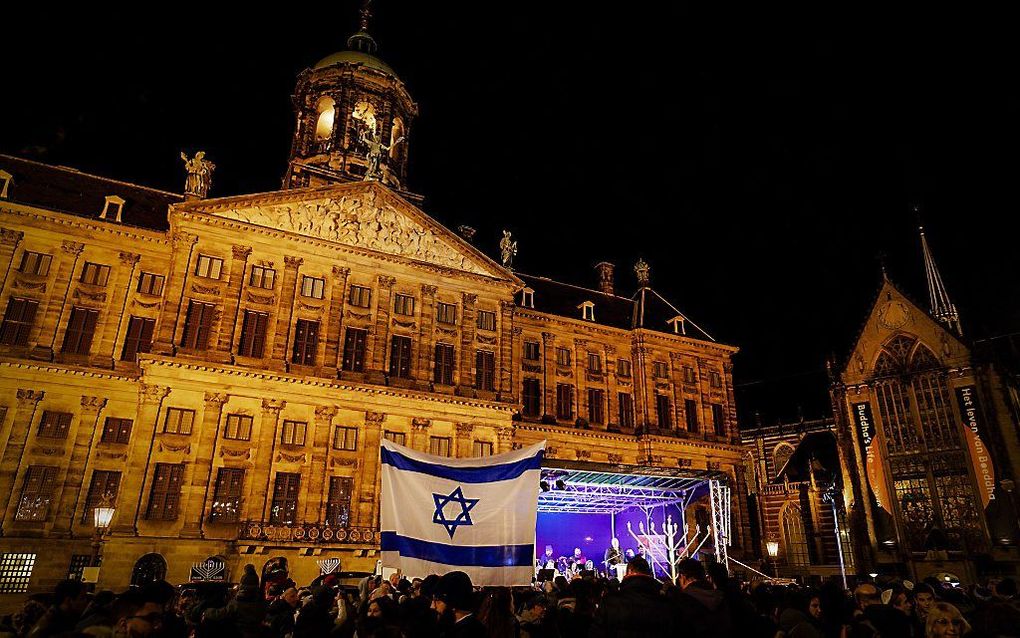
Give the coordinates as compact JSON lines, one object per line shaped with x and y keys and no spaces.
{"x":672,"y":513}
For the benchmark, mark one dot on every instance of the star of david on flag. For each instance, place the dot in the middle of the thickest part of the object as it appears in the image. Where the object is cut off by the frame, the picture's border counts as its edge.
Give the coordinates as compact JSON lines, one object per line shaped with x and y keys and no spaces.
{"x":475,"y":515}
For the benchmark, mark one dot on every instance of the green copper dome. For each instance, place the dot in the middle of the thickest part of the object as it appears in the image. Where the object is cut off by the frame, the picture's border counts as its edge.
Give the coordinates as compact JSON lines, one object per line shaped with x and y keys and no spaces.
{"x":355,"y":57}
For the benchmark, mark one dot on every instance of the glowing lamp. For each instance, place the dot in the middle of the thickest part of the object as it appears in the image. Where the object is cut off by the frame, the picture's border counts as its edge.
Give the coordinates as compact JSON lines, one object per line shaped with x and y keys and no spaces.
{"x":103,"y":516}
{"x":873,"y":575}
{"x":773,"y":548}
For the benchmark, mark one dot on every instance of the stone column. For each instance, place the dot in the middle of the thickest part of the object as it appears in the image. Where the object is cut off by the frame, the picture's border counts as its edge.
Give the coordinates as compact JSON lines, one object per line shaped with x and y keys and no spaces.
{"x":119,"y":291}
{"x":284,"y":311}
{"x":516,"y":362}
{"x":549,"y":375}
{"x":231,"y":301}
{"x":195,"y":491}
{"x":260,"y":487}
{"x":642,"y":398}
{"x":504,"y":439}
{"x":467,"y":340}
{"x":731,"y":404}
{"x":9,"y":241}
{"x":14,"y":448}
{"x":48,"y":323}
{"x":426,"y":341}
{"x":504,"y":360}
{"x":420,"y":428}
{"x":183,"y":245}
{"x":67,"y":495}
{"x":676,"y":375}
{"x":370,"y":486}
{"x":464,"y":441}
{"x":150,"y":401}
{"x":380,"y":332}
{"x":335,"y":318}
{"x":315,"y":504}
{"x":581,"y":379}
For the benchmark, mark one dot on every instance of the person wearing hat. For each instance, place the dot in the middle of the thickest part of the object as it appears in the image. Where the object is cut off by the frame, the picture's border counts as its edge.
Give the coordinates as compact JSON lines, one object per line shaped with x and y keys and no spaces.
{"x":246,"y":611}
{"x":452,"y":601}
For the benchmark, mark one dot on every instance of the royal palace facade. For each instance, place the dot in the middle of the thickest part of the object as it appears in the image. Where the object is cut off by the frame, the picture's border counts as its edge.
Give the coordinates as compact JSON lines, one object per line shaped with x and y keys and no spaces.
{"x":220,"y":371}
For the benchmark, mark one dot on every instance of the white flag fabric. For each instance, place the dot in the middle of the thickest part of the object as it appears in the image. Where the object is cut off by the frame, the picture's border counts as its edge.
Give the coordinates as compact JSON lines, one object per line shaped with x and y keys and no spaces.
{"x":474,"y":515}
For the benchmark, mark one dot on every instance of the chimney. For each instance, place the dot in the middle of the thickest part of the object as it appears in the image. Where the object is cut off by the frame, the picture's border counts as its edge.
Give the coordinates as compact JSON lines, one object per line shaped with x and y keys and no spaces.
{"x":605,"y":271}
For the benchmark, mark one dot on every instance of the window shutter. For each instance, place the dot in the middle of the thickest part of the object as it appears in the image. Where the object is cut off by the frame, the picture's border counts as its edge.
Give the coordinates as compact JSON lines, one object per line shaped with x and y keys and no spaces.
{"x":28,"y":309}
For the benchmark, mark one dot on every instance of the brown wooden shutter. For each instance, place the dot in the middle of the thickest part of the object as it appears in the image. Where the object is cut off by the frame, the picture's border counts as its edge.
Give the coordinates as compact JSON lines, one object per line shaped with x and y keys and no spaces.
{"x":247,"y":334}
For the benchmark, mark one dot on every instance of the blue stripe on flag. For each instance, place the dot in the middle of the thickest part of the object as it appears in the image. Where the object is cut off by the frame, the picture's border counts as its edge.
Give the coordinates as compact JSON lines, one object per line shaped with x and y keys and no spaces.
{"x":483,"y":474}
{"x":464,"y":555}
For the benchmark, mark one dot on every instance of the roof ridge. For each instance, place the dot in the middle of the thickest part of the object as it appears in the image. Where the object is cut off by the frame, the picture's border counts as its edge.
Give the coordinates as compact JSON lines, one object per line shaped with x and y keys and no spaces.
{"x":75,"y":171}
{"x":563,"y":283}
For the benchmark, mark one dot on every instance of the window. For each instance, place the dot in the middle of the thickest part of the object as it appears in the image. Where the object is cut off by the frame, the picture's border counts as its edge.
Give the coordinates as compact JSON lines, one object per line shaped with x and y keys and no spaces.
{"x":528,"y":298}
{"x":354,"y":350}
{"x":37,"y":493}
{"x":689,"y":375}
{"x":112,"y":207}
{"x":18,"y":321}
{"x":564,"y":401}
{"x":198,"y":325}
{"x":563,"y":356}
{"x":446,"y":312}
{"x":596,"y":413}
{"x":253,"y":334}
{"x":15,"y":568}
{"x":794,"y":536}
{"x":313,"y":287}
{"x":486,"y":320}
{"x":532,"y":397}
{"x":306,"y":342}
{"x":439,"y":445}
{"x":623,"y":367}
{"x":35,"y":263}
{"x":662,"y":409}
{"x":285,"y":498}
{"x":178,"y":421}
{"x":226,"y":505}
{"x":403,"y":304}
{"x":715,"y":379}
{"x":481,"y":448}
{"x":165,"y":496}
{"x":95,"y":274}
{"x":626,"y":407}
{"x":660,"y":370}
{"x":262,"y":277}
{"x":360,"y":296}
{"x":397,"y":437}
{"x":400,"y":357}
{"x":691,"y":412}
{"x":116,"y":430}
{"x":594,"y":362}
{"x":238,"y":427}
{"x":587,"y":311}
{"x":532,"y":351}
{"x":345,"y":438}
{"x":443,"y":370}
{"x":485,"y":370}
{"x":718,"y":420}
{"x":54,"y":425}
{"x":293,"y":432}
{"x":102,"y":491}
{"x":338,"y":501}
{"x":780,"y":455}
{"x":138,"y":339}
{"x":150,"y":284}
{"x":210,"y":267}
{"x":81,"y":327}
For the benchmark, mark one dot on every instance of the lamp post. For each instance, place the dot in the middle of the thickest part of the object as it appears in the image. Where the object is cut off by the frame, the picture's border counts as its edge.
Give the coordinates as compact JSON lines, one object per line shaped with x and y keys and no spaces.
{"x":830,"y":497}
{"x":102,"y":516}
{"x":772,"y":547}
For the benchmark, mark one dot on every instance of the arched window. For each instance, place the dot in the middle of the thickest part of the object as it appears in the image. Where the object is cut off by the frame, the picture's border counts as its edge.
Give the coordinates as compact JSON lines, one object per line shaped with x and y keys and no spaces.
{"x":780,"y":455}
{"x":794,"y":538}
{"x":149,"y":568}
{"x":325,"y":109}
{"x":923,"y":358}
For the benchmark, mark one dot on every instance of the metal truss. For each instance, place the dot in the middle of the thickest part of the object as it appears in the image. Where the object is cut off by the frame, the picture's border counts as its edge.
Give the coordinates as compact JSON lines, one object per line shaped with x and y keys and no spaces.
{"x":611,"y":493}
{"x":719,"y":497}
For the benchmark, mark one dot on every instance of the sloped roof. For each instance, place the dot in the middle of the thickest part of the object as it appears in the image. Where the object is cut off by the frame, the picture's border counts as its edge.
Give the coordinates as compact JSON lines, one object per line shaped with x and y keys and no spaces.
{"x":653,"y":312}
{"x":558,"y":298}
{"x":71,"y":191}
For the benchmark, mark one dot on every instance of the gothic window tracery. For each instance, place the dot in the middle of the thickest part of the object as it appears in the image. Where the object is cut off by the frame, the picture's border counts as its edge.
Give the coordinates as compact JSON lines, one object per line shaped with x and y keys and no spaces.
{"x":780,"y":455}
{"x":794,"y":536}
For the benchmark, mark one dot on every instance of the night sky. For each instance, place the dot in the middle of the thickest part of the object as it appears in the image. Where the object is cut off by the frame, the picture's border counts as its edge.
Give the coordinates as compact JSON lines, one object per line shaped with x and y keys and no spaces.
{"x":759,"y":165}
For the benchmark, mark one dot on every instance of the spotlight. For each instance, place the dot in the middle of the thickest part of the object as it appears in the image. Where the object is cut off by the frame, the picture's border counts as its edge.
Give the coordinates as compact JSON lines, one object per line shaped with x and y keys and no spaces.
{"x":544,"y":485}
{"x":560,"y":485}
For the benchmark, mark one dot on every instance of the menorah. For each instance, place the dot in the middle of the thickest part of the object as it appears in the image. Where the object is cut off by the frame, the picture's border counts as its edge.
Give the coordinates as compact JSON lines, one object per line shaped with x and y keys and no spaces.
{"x":328,"y":565}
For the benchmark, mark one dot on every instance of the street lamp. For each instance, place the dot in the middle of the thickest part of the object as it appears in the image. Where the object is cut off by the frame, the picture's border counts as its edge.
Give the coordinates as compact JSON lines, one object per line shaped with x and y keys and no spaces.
{"x":102,"y":516}
{"x":772,"y":547}
{"x":831,"y":496}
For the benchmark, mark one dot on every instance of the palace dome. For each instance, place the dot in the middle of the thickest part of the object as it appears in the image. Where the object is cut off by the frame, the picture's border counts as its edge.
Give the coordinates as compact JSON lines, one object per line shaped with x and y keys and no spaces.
{"x":355,"y":57}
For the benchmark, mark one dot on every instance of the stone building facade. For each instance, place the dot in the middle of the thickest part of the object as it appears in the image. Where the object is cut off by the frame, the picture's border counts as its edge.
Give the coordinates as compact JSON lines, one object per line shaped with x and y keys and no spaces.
{"x":221,"y":371}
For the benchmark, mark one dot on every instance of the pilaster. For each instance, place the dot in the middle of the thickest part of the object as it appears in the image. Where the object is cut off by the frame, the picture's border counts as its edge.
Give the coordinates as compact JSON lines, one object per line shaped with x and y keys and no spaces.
{"x":194,"y":491}
{"x":14,"y":448}
{"x":9,"y":241}
{"x":467,"y":341}
{"x":150,"y":402}
{"x":69,"y":492}
{"x":322,"y":428}
{"x":120,"y":292}
{"x":284,"y":312}
{"x":549,"y":376}
{"x":464,"y":441}
{"x":50,"y":322}
{"x":420,"y":428}
{"x":259,"y":498}
{"x":335,"y":318}
{"x":368,"y":505}
{"x":183,"y":245}
{"x":504,"y":439}
{"x":380,"y":333}
{"x":426,"y":340}
{"x":504,"y":360}
{"x":231,"y":301}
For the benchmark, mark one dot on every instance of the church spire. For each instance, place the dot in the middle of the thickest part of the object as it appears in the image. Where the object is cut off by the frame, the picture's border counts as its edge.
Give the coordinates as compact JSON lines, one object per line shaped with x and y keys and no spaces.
{"x":362,"y":40}
{"x":942,"y":308}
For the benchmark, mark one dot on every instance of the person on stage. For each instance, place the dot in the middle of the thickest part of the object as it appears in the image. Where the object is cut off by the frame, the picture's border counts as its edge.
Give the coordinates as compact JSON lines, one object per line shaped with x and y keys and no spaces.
{"x":546,"y":561}
{"x":613,"y":557}
{"x":577,"y":561}
{"x":628,"y":555}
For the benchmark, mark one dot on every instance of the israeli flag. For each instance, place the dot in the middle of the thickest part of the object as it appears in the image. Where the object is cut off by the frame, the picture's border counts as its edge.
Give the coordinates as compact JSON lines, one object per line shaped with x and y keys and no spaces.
{"x":475,"y":515}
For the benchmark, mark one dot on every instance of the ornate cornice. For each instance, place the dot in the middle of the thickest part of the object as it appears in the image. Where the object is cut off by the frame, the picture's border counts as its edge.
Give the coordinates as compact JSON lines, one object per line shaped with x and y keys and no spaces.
{"x":30,"y":396}
{"x":92,"y":404}
{"x":385,"y":281}
{"x":420,"y":424}
{"x":216,"y":399}
{"x":464,"y":429}
{"x":129,"y":259}
{"x":10,"y":237}
{"x":273,"y":405}
{"x":325,"y":412}
{"x":183,"y":239}
{"x":429,"y":290}
{"x":375,"y":418}
{"x":72,"y":247}
{"x":241,"y":252}
{"x":292,"y":262}
{"x":341,"y":272}
{"x":151,"y":393}
{"x":80,"y":224}
{"x":470,"y":299}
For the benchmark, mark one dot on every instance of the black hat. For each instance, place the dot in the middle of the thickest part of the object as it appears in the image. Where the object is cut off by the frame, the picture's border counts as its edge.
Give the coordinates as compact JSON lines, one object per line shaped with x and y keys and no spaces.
{"x":250,"y":579}
{"x":455,"y":589}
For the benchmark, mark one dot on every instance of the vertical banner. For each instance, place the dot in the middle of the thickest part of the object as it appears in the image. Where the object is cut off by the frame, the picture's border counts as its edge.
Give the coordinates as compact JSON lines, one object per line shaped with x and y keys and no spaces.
{"x":966,"y":396}
{"x":873,"y":464}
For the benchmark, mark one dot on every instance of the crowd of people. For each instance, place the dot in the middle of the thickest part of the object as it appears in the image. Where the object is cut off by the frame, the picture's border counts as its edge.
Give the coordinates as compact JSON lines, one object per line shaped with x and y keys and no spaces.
{"x":700,"y":604}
